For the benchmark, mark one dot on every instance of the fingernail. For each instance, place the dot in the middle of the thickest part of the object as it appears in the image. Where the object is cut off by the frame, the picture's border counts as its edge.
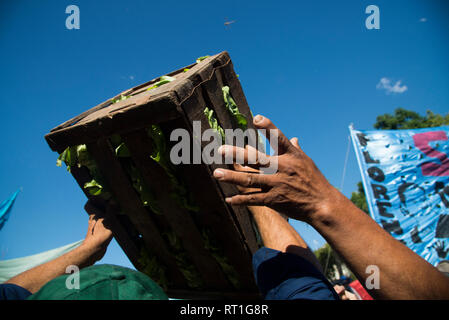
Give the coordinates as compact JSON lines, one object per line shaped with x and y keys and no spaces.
{"x":258,"y":118}
{"x":218,"y":174}
{"x":228,"y":200}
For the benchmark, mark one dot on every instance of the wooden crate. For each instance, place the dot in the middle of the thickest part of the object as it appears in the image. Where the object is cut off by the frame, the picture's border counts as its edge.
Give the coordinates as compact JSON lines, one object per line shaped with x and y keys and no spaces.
{"x":139,"y":230}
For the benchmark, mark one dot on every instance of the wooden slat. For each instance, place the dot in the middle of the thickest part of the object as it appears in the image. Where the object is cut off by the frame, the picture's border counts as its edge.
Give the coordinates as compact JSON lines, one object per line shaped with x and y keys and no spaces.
{"x":179,"y":218}
{"x":122,"y":235}
{"x":74,"y":120}
{"x":129,"y":202}
{"x":193,"y":109}
{"x":229,"y":77}
{"x":243,"y":214}
{"x":162,"y":109}
{"x":216,"y":216}
{"x":212,"y":93}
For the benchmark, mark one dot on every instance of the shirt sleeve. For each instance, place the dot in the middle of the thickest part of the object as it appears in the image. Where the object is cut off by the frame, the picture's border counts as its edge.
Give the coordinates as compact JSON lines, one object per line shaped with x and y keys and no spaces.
{"x":286,"y":276}
{"x":11,"y":291}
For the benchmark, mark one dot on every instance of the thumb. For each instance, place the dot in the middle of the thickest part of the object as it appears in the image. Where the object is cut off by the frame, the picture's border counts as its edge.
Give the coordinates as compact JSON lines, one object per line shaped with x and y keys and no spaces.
{"x":295,"y":143}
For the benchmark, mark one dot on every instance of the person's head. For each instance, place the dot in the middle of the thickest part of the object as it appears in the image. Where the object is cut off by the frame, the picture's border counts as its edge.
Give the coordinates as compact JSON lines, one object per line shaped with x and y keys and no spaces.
{"x":101,"y":282}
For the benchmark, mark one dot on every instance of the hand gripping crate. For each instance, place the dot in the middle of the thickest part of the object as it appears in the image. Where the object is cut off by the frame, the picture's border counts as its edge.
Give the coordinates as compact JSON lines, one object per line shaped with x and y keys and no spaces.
{"x":171,"y":220}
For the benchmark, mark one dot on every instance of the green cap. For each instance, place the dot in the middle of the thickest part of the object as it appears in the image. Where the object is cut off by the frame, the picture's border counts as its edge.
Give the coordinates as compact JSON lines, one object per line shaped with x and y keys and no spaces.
{"x":102,"y":282}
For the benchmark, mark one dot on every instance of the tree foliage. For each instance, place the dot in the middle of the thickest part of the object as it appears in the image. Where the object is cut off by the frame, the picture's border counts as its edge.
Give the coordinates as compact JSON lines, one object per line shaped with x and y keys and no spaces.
{"x":323,"y":254}
{"x":359,"y":199}
{"x":406,"y":119}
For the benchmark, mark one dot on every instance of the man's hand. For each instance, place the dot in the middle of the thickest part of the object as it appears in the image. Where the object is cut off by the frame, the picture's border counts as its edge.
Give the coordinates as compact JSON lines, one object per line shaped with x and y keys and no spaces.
{"x":98,"y":236}
{"x":298,"y":189}
{"x":343,"y":294}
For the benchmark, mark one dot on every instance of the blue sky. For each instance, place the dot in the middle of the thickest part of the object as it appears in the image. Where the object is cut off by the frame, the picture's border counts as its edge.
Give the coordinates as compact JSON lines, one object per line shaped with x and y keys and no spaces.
{"x":310,"y":66}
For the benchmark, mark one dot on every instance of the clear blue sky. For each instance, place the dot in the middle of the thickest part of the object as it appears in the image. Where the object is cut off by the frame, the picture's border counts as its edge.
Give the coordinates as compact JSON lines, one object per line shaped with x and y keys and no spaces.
{"x":310,"y":66}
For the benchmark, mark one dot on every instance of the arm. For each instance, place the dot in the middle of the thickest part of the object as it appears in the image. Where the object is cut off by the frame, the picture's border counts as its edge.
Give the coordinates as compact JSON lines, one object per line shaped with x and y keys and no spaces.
{"x":299,"y":190}
{"x":278,"y":234}
{"x":91,"y":250}
{"x":275,"y":231}
{"x":362,"y":242}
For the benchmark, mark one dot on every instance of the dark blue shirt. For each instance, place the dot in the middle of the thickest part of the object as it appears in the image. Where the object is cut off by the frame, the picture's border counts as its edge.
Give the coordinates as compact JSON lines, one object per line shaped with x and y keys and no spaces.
{"x":286,"y":276}
{"x":11,"y":291}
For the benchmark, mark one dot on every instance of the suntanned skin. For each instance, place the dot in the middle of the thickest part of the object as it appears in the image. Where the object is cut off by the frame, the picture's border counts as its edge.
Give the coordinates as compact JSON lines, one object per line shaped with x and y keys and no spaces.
{"x":275,"y":231}
{"x":91,"y":250}
{"x":278,"y":234}
{"x":299,"y":190}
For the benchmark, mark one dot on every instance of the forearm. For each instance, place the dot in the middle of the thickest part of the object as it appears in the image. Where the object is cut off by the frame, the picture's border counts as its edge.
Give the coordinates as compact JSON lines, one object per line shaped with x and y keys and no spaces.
{"x":35,"y":278}
{"x":278,"y":234}
{"x":361,"y":242}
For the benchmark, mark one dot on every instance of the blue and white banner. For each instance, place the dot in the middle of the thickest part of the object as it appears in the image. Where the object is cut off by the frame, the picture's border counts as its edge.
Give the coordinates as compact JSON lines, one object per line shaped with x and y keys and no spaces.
{"x":405,"y":175}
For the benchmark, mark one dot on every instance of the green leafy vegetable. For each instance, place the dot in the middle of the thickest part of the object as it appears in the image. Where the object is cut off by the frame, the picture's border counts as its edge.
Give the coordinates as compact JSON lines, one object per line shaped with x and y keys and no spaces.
{"x":79,"y":156}
{"x":162,"y":156}
{"x":121,"y":98}
{"x":122,"y":151}
{"x":93,"y":187}
{"x":201,"y":59}
{"x":84,"y":159}
{"x":63,"y":158}
{"x":146,"y":195}
{"x":159,"y":147}
{"x":69,"y":157}
{"x":209,"y":113}
{"x":240,"y":119}
{"x":162,"y":80}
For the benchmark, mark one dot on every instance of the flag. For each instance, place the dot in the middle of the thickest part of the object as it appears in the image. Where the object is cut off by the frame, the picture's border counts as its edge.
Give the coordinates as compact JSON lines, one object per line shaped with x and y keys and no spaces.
{"x":11,"y":268}
{"x":405,"y":175}
{"x":5,"y":208}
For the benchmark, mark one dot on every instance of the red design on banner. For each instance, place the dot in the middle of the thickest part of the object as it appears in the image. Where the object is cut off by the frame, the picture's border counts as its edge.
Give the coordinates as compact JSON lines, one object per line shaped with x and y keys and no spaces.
{"x":433,"y":169}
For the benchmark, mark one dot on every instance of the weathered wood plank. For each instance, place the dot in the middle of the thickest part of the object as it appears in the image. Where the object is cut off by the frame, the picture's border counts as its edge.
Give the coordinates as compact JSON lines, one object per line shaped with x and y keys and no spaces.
{"x":216,"y":216}
{"x":211,"y":94}
{"x":129,"y":201}
{"x":229,"y":77}
{"x":179,"y":218}
{"x":193,"y":108}
{"x":122,"y":235}
{"x":163,"y":109}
